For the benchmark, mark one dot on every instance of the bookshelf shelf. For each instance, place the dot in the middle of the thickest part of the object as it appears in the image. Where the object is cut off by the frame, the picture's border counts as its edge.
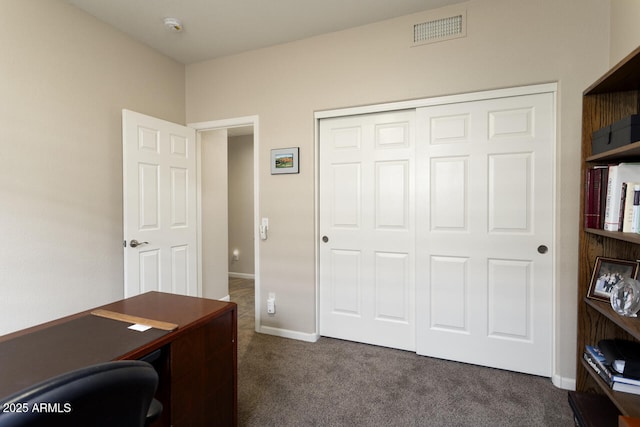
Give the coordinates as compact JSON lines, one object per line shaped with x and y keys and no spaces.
{"x":630,"y":324}
{"x":614,"y":96}
{"x":627,"y":237}
{"x":628,"y":152}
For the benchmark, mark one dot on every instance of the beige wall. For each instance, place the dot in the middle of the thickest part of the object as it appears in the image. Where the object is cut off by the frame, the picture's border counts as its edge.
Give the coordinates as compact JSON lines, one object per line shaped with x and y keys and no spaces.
{"x":214,"y":213}
{"x":64,"y":78}
{"x":625,"y":31}
{"x":508,"y":43}
{"x":241,"y":224}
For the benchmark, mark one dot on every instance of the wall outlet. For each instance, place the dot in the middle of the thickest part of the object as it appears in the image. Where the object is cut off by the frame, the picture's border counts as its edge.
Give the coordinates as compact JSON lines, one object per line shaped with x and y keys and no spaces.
{"x":271,"y":303}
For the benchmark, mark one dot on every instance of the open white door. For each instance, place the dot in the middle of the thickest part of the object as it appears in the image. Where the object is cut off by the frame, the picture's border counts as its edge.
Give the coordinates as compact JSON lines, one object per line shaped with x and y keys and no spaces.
{"x":159,"y":206}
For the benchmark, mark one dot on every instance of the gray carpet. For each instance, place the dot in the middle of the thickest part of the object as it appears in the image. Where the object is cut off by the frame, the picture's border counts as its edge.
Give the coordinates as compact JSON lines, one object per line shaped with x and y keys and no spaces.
{"x":284,"y":382}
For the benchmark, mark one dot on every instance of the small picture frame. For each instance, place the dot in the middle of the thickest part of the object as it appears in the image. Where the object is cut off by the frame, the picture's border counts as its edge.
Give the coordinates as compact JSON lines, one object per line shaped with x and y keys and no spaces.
{"x":285,"y":160}
{"x":606,"y":273}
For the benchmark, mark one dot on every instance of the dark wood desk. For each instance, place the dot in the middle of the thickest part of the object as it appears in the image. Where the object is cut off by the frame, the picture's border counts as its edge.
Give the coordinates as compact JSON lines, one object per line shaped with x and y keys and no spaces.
{"x":197,"y":362}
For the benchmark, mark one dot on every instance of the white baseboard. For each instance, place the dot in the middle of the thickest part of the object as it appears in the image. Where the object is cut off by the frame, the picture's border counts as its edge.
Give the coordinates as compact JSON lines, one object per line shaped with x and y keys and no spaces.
{"x":564,"y":382}
{"x":227,"y":298}
{"x":242,"y":275}
{"x":286,"y":333}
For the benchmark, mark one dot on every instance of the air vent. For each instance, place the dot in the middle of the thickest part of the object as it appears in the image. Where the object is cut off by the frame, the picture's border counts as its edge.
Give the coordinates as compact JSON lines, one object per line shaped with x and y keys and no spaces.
{"x":440,"y":29}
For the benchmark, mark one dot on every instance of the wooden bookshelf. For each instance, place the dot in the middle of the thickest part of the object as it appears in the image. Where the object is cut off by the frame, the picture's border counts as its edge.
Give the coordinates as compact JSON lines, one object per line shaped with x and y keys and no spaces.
{"x":611,"y":98}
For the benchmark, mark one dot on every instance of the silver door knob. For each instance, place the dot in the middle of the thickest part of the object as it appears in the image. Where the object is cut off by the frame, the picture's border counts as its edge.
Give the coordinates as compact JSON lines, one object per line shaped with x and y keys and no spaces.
{"x":134,"y":243}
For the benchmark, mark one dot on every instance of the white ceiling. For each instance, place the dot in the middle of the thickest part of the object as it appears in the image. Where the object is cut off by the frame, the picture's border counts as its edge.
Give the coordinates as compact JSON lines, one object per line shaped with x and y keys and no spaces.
{"x":214,"y":28}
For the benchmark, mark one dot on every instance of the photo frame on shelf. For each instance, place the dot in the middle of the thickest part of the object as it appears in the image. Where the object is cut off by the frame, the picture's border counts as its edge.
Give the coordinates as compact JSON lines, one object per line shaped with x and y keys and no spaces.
{"x":285,"y":160}
{"x":606,"y":273}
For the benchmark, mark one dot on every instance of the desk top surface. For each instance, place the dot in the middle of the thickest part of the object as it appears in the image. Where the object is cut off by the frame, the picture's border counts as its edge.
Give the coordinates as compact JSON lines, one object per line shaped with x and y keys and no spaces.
{"x":35,"y":354}
{"x":84,"y":341}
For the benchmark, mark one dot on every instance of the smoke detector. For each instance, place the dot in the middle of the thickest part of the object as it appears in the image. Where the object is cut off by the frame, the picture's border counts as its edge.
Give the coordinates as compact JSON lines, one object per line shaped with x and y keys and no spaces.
{"x":173,"y":24}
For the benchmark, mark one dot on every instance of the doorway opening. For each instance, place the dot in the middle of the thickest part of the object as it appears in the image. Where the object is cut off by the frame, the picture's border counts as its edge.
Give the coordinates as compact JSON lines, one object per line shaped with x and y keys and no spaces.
{"x":228,"y":152}
{"x":241,"y":240}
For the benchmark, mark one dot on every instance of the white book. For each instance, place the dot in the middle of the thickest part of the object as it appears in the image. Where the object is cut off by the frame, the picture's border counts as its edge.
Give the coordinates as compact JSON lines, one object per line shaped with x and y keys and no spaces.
{"x":612,"y":206}
{"x":623,"y":172}
{"x":636,"y":208}
{"x":626,"y":388}
{"x":628,"y":224}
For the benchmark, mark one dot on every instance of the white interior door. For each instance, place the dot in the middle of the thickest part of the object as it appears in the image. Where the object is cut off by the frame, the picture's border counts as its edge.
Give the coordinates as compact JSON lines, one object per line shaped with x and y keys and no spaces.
{"x":159,"y":186}
{"x":368,"y":229}
{"x":485,"y":223}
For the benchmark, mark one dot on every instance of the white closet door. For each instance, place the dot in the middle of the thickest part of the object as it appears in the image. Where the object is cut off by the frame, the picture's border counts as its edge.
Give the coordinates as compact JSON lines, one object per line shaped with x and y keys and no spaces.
{"x":367,"y":226}
{"x":485,"y":232}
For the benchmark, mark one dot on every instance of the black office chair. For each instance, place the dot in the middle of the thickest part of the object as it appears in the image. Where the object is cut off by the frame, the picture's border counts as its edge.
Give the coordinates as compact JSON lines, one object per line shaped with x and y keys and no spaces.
{"x":105,"y":395}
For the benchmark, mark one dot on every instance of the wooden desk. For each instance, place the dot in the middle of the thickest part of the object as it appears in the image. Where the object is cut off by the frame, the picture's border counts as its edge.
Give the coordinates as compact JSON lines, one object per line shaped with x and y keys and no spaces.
{"x":197,"y":362}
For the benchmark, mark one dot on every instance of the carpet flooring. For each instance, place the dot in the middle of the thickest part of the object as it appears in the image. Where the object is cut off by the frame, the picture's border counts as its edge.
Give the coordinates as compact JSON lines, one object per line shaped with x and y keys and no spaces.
{"x":285,"y":382}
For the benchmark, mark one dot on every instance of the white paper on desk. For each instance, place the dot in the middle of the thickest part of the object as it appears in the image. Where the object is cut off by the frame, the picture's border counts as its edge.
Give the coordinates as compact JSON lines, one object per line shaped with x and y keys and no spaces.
{"x":140,"y":328}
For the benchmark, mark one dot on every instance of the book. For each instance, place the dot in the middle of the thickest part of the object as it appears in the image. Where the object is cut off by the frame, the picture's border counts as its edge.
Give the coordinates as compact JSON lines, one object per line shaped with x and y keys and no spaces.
{"x":635,"y":220}
{"x":613,"y":201}
{"x":626,"y":388}
{"x":623,"y":172}
{"x":624,"y":206}
{"x":627,"y":209}
{"x":604,"y":179}
{"x":590,"y":211}
{"x":597,"y":368}
{"x":595,"y":196}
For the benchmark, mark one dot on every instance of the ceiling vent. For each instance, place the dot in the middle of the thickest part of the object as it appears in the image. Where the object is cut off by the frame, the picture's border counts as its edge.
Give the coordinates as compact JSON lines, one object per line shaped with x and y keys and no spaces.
{"x":436,"y":30}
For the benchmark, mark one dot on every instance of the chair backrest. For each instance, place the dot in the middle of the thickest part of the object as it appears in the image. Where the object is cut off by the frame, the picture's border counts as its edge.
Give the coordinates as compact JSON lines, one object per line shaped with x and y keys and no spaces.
{"x":109,"y":394}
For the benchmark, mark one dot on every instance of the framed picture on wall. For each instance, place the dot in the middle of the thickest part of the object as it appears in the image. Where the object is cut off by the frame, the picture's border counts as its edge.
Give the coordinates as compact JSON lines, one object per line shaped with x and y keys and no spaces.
{"x":285,"y":160}
{"x":607,"y":273}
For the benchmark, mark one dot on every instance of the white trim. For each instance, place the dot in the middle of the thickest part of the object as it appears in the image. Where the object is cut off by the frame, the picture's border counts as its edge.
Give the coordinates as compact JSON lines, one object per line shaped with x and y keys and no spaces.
{"x":227,"y":298}
{"x":563,"y":382}
{"x":440,"y":100}
{"x":226,"y":124}
{"x":554,"y":237}
{"x":443,"y":100}
{"x":242,"y":275}
{"x":316,"y":154}
{"x":199,"y":209}
{"x":286,"y":333}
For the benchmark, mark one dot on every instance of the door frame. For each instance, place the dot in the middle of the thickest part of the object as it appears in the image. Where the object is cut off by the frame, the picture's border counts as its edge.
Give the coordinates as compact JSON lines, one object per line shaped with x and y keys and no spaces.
{"x":442,"y":100}
{"x":223,"y":125}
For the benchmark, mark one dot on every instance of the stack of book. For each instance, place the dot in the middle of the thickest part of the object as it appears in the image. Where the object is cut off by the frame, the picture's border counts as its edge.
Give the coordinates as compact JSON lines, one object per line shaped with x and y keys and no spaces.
{"x":612,"y":197}
{"x":609,"y":363}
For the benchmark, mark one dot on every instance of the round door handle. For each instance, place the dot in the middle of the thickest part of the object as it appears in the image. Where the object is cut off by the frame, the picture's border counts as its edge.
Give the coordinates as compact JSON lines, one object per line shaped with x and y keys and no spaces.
{"x":543,"y":249}
{"x":325,"y":239}
{"x":134,"y":243}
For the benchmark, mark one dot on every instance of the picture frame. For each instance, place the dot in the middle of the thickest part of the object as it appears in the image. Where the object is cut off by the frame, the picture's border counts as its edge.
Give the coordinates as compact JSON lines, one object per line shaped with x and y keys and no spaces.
{"x":606,"y":273}
{"x":285,"y":160}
